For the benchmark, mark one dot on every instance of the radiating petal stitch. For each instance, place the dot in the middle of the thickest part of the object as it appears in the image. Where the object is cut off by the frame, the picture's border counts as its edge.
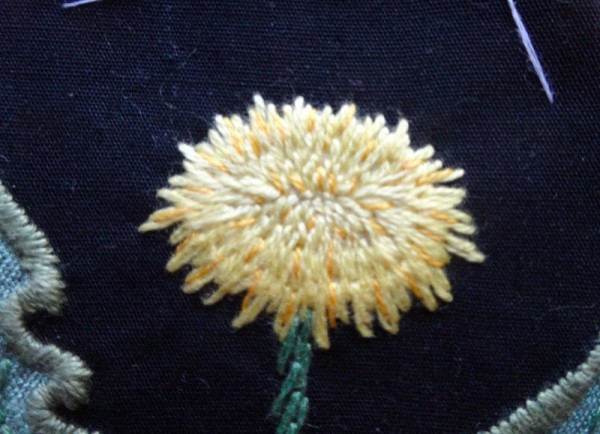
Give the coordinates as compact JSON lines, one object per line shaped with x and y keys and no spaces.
{"x":305,"y":209}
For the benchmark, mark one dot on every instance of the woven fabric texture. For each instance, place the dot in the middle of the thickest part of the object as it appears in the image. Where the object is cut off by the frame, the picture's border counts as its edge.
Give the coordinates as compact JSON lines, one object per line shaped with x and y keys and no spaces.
{"x":95,"y":99}
{"x":586,"y":418}
{"x":21,"y":380}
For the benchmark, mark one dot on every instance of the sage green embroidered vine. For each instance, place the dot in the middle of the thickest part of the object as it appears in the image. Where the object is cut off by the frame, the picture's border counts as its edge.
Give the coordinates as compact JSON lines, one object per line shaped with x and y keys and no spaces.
{"x":4,"y":369}
{"x":291,"y":405}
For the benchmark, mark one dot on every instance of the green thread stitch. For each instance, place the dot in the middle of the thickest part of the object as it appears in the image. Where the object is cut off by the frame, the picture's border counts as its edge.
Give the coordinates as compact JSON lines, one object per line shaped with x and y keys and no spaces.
{"x":595,"y":423}
{"x":4,"y":371}
{"x":291,"y":405}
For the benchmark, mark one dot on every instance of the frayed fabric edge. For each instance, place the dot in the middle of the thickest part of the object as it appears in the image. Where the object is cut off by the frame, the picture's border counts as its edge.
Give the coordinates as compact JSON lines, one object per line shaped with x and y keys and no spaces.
{"x":68,"y":376}
{"x":554,"y":405}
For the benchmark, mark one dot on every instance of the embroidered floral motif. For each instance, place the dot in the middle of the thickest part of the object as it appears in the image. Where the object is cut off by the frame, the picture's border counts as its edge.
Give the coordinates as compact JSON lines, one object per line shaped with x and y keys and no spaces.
{"x":305,"y":209}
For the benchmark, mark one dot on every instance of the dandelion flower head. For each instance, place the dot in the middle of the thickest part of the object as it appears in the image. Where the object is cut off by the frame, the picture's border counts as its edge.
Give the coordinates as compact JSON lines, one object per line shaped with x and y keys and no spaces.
{"x":306,"y":209}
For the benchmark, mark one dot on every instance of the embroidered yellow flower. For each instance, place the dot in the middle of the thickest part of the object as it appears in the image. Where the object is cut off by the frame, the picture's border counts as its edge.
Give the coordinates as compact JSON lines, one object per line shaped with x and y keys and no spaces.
{"x":310,"y":209}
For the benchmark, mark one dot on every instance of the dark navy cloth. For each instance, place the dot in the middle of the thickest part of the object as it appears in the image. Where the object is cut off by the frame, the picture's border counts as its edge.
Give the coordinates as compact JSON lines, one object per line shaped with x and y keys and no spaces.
{"x":93,"y":101}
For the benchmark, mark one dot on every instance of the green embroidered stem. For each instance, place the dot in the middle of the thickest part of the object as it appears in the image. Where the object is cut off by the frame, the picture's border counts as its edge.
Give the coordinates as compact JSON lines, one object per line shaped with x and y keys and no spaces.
{"x":4,"y":370}
{"x":291,"y":405}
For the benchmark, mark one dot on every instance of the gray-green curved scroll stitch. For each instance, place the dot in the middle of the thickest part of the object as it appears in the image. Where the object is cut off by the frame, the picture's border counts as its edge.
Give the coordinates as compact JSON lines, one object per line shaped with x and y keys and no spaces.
{"x":39,"y":378}
{"x":551,"y":410}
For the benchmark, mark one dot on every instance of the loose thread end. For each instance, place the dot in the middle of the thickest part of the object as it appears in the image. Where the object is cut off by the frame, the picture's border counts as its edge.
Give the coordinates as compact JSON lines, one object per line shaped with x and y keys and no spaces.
{"x":77,"y":3}
{"x":533,"y":57}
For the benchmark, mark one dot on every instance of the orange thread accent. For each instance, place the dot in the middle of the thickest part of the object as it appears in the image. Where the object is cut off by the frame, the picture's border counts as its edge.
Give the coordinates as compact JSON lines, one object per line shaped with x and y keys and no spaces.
{"x":310,"y":123}
{"x":261,"y":123}
{"x":186,"y":242}
{"x":370,"y":147}
{"x":330,"y":262}
{"x":354,"y":183}
{"x":211,"y":160}
{"x":429,"y":234}
{"x":444,"y":217}
{"x":326,"y":145}
{"x":243,"y":223}
{"x":379,"y":298}
{"x":255,"y":144}
{"x":427,"y":258}
{"x":298,"y":183}
{"x":347,"y":119}
{"x":394,"y":182}
{"x":254,"y":251}
{"x":284,"y":215}
{"x":259,"y":200}
{"x":277,"y":181}
{"x":251,"y":290}
{"x":433,"y":262}
{"x":320,"y":175}
{"x":379,"y":206}
{"x":171,"y":215}
{"x":412,"y":284}
{"x":340,"y":232}
{"x":197,"y":189}
{"x":202,"y":271}
{"x":411,"y":164}
{"x":332,"y":182}
{"x":378,"y":228}
{"x":234,"y":138}
{"x":311,"y":224}
{"x":297,"y":255}
{"x":434,"y":177}
{"x":331,"y":306}
{"x":279,"y":126}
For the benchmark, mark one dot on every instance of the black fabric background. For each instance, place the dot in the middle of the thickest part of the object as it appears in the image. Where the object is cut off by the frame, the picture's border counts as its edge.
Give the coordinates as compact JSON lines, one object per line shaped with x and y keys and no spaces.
{"x":93,"y":101}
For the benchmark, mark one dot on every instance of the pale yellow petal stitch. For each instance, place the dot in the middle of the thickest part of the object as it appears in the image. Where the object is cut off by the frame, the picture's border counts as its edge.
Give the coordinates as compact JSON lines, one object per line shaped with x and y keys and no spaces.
{"x":309,"y":209}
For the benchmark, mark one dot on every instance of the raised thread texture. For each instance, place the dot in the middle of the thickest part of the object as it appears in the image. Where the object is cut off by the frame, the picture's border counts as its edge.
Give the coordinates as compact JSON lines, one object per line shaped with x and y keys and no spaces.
{"x":555,"y":404}
{"x":67,"y":376}
{"x":306,"y":209}
{"x":291,"y":405}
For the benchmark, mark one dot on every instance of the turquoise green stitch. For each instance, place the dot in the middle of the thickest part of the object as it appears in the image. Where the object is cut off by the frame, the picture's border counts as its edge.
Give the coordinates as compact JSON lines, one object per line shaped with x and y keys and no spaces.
{"x":595,"y":424}
{"x":5,"y":366}
{"x":291,"y":405}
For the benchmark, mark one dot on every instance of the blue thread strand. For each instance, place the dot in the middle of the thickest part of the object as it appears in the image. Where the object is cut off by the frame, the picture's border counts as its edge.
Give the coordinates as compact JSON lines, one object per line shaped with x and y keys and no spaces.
{"x":526,"y":39}
{"x":78,"y":3}
{"x":291,"y":405}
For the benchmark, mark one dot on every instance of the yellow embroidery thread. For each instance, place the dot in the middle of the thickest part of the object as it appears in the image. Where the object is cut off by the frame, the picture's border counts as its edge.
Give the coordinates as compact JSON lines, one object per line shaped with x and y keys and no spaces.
{"x":308,"y":209}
